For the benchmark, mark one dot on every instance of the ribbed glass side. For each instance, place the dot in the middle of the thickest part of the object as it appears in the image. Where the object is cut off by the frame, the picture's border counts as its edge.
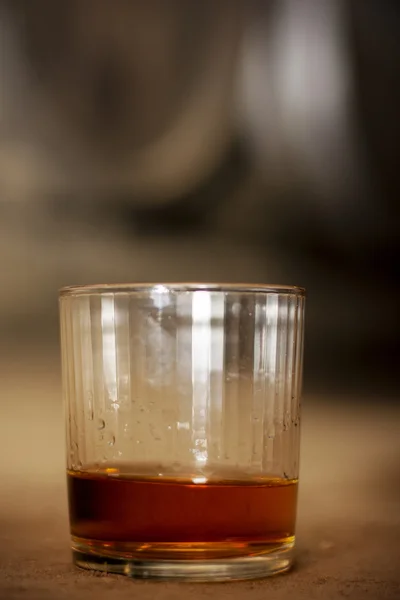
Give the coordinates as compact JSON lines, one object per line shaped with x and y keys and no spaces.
{"x":190,"y":382}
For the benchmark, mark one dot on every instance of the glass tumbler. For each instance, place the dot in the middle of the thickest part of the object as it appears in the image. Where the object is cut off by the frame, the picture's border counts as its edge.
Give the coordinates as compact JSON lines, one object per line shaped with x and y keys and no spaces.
{"x":183,"y":420}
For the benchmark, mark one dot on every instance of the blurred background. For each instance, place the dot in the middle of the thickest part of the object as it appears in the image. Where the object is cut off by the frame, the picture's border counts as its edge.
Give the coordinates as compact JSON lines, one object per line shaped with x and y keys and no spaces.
{"x":219,"y":140}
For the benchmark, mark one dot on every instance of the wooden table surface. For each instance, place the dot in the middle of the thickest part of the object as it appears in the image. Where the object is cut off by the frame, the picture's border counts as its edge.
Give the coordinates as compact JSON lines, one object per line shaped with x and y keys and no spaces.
{"x":348,"y":518}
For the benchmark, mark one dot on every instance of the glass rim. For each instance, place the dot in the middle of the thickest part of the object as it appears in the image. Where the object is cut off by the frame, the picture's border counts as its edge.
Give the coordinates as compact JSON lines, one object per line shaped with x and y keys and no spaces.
{"x":179,"y":287}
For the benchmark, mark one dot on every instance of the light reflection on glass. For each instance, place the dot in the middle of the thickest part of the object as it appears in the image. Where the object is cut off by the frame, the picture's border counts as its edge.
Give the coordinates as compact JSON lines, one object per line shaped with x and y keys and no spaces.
{"x":109,"y":346}
{"x":201,"y":351}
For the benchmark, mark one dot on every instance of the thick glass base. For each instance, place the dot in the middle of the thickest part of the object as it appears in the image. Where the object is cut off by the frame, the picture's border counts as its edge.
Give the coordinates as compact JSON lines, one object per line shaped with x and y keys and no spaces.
{"x":266,"y":560}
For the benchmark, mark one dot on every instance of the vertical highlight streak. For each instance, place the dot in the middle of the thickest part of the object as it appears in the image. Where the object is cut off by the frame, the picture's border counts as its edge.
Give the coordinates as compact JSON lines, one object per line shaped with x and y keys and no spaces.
{"x":183,"y":376}
{"x":87,"y":377}
{"x":201,"y":350}
{"x":216,"y":398}
{"x":109,"y":346}
{"x":66,"y":355}
{"x":271,"y":346}
{"x":259,"y":388}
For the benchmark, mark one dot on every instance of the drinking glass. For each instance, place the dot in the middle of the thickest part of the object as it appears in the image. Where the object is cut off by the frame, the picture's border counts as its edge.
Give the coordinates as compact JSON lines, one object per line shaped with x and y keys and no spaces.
{"x":182,"y":410}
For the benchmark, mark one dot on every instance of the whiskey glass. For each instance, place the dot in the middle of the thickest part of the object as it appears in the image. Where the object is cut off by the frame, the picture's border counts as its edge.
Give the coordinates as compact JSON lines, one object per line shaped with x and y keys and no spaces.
{"x":182,"y":406}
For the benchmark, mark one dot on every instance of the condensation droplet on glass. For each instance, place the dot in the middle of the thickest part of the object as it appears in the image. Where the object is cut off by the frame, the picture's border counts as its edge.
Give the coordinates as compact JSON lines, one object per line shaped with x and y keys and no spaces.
{"x":142,"y":409}
{"x":101,"y":437}
{"x":153,"y":431}
{"x":236,"y":309}
{"x":169,"y":427}
{"x":115,"y":405}
{"x":80,"y":464}
{"x":91,"y":414}
{"x":111,"y":440}
{"x":139,"y":441}
{"x":183,"y":425}
{"x":101,"y":424}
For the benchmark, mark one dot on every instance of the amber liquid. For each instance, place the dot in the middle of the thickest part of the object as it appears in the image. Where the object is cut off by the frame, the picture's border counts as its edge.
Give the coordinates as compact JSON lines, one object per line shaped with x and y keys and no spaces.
{"x":113,"y":513}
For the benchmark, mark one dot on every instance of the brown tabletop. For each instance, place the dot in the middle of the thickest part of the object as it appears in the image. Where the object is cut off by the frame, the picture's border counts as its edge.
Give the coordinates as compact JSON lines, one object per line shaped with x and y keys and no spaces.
{"x":348,"y":518}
